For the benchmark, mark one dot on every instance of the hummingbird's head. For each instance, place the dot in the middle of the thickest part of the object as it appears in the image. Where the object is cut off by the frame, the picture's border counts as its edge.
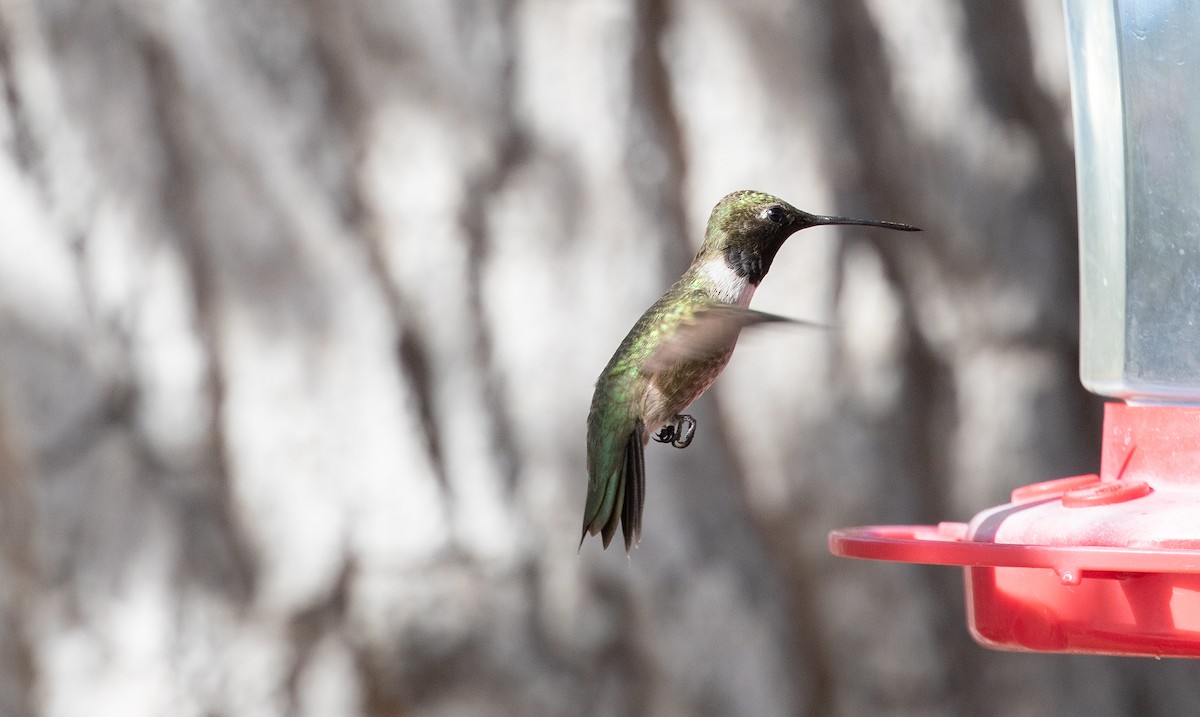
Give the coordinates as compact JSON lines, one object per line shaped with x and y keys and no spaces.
{"x":747,"y":228}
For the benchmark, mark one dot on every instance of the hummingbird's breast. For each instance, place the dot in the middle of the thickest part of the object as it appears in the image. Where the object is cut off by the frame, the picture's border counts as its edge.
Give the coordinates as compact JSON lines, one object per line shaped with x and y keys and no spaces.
{"x":672,"y":390}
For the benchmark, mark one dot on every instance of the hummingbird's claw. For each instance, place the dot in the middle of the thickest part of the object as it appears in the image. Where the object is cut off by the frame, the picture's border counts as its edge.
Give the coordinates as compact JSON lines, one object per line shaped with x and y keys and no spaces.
{"x":679,"y":433}
{"x":685,"y":428}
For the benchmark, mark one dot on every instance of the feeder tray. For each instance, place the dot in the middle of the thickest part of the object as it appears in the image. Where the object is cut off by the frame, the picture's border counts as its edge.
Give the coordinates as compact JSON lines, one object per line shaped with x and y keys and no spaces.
{"x":1098,"y":564}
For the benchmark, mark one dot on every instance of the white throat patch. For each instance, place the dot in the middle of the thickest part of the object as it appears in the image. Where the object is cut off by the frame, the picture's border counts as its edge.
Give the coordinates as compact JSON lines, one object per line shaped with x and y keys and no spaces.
{"x":727,"y":286}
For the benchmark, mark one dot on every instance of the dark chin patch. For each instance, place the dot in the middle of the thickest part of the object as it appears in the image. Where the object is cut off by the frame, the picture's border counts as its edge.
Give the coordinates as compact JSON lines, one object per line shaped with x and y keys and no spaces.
{"x":750,"y":262}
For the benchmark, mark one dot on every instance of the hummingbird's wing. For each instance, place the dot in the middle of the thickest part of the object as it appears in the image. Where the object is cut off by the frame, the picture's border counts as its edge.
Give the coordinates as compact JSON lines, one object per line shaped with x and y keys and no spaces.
{"x":709,"y":330}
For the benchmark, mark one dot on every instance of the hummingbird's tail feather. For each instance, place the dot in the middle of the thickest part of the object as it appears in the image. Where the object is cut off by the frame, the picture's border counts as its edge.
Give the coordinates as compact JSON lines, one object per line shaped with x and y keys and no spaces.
{"x":614,"y":515}
{"x":635,"y":490}
{"x":629,"y":495}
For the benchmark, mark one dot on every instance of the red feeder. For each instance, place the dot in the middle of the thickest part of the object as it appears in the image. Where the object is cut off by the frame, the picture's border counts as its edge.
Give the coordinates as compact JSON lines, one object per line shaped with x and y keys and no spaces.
{"x":1088,"y":564}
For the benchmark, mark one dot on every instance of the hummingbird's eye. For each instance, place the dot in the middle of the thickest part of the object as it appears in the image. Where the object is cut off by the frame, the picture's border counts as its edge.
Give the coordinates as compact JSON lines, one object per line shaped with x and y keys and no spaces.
{"x":775,"y":214}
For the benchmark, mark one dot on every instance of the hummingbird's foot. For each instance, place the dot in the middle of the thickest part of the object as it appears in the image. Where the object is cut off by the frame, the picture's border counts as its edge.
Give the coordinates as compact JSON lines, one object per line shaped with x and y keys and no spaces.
{"x":685,"y":428}
{"x":679,"y":433}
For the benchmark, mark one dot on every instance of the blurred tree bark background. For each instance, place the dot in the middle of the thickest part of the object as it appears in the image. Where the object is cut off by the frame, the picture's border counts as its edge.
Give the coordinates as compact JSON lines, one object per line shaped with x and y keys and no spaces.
{"x":301,"y":305}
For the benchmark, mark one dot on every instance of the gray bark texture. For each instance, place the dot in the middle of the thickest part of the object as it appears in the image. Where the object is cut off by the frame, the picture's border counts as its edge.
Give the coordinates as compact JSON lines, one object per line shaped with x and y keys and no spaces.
{"x":302,"y":303}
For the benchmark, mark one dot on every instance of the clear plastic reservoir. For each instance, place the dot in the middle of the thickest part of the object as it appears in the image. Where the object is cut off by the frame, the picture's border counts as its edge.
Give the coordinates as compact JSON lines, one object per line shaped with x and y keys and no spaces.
{"x":1135,"y":83}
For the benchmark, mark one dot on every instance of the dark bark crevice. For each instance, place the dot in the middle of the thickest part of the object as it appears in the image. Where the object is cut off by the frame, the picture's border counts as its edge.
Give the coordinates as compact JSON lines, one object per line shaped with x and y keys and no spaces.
{"x":217,"y":550}
{"x":656,"y":159}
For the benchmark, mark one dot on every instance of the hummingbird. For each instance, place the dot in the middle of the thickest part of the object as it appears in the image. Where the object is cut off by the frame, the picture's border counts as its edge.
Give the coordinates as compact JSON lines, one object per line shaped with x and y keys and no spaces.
{"x":678,"y":348}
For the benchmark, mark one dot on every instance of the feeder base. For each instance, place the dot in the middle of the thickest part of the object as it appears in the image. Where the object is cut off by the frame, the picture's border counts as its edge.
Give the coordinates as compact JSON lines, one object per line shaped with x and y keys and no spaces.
{"x":1097,"y":564}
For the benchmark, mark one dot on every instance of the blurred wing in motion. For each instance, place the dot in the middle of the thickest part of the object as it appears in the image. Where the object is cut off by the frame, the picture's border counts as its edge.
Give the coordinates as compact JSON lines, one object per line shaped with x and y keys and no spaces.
{"x":709,"y":330}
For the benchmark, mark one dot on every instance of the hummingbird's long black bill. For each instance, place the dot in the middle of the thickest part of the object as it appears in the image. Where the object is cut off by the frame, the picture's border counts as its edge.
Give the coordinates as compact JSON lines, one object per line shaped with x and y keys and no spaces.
{"x":814,"y":220}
